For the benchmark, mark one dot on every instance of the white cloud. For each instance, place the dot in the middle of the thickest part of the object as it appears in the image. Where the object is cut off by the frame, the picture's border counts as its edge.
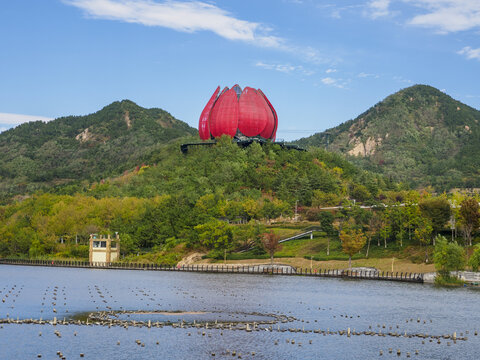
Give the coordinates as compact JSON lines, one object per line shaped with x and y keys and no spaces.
{"x":15,"y":119}
{"x":338,"y":83}
{"x":328,"y":81}
{"x":378,"y":8}
{"x":284,"y":68}
{"x":330,"y":71}
{"x":336,"y":12}
{"x":401,"y":79}
{"x":366,"y":75}
{"x":470,"y":53}
{"x":446,"y":16}
{"x":192,"y":16}
{"x":189,"y":16}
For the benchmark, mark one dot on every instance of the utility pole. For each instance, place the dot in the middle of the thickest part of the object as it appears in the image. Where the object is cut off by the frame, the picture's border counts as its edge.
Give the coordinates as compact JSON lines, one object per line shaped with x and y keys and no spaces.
{"x":296,"y":210}
{"x":452,"y":224}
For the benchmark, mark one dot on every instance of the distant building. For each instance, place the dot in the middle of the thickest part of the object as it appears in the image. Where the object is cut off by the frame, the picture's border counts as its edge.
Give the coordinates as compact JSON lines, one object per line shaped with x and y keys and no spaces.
{"x":104,"y":249}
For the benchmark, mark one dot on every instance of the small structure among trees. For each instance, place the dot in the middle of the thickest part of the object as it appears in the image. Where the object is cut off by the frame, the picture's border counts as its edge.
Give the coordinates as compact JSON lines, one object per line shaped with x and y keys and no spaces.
{"x":104,"y":249}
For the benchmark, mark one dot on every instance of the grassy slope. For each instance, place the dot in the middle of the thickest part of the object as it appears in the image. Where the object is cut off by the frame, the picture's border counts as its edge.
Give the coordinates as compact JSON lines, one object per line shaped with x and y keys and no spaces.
{"x":298,"y":253}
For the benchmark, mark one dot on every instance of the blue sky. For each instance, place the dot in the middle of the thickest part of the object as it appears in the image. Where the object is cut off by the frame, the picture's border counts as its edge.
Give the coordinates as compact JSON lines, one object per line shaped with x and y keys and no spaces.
{"x":319,"y":62}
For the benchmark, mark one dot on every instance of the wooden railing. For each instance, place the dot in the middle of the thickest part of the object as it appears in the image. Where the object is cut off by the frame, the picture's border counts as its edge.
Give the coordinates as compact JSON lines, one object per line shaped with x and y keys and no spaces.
{"x":230,"y":269}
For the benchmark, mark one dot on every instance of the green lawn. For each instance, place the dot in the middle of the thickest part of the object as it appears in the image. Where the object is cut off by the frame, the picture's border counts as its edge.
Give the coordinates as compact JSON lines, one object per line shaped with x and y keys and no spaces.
{"x":316,"y":248}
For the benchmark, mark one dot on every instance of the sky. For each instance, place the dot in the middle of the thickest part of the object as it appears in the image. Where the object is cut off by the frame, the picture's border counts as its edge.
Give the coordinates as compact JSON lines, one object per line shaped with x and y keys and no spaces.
{"x":320,"y":63}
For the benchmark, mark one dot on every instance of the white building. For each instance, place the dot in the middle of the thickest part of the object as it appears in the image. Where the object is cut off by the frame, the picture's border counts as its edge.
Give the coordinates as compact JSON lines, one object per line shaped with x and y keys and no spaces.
{"x":104,"y":249}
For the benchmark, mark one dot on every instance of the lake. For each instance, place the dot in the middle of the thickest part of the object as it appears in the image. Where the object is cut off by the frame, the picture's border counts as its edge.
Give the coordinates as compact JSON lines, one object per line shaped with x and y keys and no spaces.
{"x":211,"y":316}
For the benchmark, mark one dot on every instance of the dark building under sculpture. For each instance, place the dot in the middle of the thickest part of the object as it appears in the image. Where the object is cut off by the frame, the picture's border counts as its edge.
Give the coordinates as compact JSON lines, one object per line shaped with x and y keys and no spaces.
{"x":239,"y":114}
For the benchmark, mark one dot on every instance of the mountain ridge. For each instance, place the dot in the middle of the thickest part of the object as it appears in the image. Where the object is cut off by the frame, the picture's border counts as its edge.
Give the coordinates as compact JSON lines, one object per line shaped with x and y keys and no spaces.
{"x":122,"y":134}
{"x":417,"y":135}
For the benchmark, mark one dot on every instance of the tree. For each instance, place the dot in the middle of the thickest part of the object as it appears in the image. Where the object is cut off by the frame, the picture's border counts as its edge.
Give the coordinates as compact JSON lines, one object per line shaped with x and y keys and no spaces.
{"x":127,"y":245}
{"x":360,"y":193}
{"x":250,"y":207}
{"x":270,"y":242}
{"x":360,"y":216}
{"x":321,"y":199}
{"x":36,"y":248}
{"x":474,"y":260}
{"x":248,"y":235}
{"x":413,"y":213}
{"x":470,"y":217}
{"x":353,"y":240}
{"x":326,"y":223}
{"x":448,"y":256}
{"x":216,"y":235}
{"x":374,"y":225}
{"x":397,"y":219}
{"x":385,"y":229}
{"x":438,"y":211}
{"x":423,"y":234}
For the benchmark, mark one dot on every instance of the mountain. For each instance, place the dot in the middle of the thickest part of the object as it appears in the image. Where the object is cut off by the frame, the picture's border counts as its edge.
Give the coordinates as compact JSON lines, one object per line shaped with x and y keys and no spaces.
{"x":37,"y":155}
{"x":418,"y":135}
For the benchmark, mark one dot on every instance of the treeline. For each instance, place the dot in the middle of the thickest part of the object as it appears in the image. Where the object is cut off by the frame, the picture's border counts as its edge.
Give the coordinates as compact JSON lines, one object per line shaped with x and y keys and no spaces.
{"x":61,"y":224}
{"x":406,"y":217}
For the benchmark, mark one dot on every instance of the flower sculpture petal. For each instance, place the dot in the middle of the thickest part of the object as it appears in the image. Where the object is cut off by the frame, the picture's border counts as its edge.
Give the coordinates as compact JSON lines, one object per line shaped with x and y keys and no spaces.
{"x":252,"y":117}
{"x":275,"y":117}
{"x":238,"y":113}
{"x":224,"y":117}
{"x":269,"y":128}
{"x":203,"y":128}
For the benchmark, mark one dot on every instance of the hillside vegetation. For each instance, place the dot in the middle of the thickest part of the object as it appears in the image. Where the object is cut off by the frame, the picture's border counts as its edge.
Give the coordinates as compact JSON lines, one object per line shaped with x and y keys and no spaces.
{"x":184,"y":198}
{"x":418,"y":135}
{"x":38,"y":155}
{"x":129,"y":176}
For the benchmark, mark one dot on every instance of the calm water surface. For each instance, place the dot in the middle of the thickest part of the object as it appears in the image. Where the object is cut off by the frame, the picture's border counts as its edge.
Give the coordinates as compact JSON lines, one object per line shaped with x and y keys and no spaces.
{"x":315,"y":303}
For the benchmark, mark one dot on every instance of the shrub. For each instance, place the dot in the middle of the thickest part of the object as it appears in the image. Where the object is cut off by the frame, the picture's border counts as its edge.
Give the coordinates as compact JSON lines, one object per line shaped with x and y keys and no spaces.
{"x":448,"y":256}
{"x":474,"y":261}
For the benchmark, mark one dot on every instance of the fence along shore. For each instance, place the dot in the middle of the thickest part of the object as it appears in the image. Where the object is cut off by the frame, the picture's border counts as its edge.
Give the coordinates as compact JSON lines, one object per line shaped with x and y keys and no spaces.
{"x":228,"y":269}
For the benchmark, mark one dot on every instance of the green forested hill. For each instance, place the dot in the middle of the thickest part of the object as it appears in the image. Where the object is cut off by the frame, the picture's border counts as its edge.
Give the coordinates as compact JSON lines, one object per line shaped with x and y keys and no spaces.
{"x":37,"y":155}
{"x":173,"y":197}
{"x":418,"y":135}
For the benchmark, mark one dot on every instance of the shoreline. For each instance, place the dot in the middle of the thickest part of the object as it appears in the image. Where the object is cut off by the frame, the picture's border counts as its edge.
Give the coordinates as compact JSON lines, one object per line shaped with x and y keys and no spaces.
{"x":275,"y":269}
{"x":381,"y":264}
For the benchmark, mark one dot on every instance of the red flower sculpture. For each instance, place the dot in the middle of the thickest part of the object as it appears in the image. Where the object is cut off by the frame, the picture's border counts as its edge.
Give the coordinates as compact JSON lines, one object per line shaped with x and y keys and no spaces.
{"x":238,"y":113}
